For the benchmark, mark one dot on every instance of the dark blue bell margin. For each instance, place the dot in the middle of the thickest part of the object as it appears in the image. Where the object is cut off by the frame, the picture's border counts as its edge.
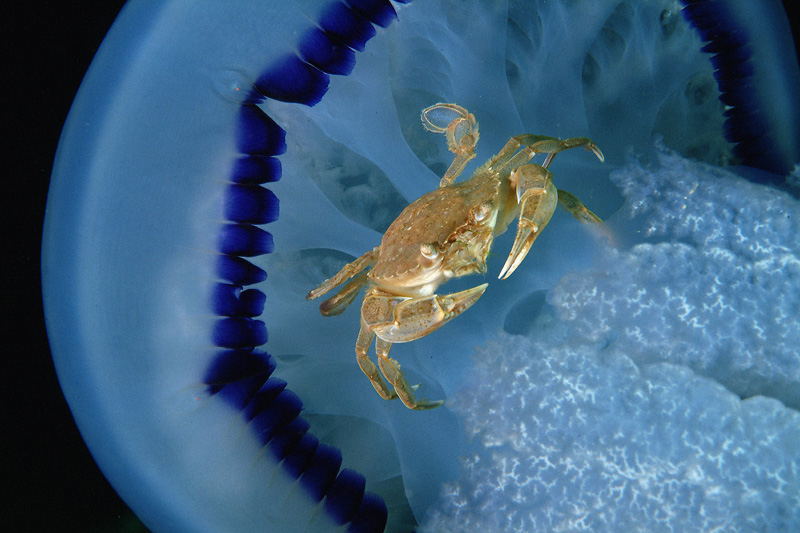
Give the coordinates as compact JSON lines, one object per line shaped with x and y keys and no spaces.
{"x":732,"y":58}
{"x":240,"y":373}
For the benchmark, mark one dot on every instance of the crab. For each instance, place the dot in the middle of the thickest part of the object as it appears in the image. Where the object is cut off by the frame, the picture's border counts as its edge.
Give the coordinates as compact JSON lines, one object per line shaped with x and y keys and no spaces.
{"x":447,"y":233}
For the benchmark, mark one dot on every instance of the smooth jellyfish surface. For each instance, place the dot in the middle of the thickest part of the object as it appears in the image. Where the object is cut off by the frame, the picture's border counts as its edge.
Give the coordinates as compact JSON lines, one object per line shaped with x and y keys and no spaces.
{"x":222,"y":159}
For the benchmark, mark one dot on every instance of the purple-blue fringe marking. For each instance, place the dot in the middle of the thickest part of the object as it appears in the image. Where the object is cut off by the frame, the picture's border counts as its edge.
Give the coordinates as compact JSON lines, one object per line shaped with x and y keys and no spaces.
{"x":241,"y":373}
{"x":745,"y":124}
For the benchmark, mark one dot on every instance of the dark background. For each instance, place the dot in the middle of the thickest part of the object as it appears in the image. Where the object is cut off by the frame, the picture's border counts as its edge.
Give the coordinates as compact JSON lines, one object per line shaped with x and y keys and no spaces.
{"x":55,"y":484}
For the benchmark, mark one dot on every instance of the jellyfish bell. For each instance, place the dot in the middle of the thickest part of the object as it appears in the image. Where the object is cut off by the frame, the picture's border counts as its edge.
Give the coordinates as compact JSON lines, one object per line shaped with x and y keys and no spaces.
{"x":129,"y":309}
{"x":221,"y":161}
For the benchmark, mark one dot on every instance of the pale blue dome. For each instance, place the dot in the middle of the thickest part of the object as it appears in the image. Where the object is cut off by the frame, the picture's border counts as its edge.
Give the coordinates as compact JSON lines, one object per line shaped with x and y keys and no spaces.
{"x":221,"y":159}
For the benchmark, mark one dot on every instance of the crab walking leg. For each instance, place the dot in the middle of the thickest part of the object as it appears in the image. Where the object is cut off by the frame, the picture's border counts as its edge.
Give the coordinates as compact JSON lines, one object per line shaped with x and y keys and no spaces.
{"x":365,"y":336}
{"x":461,"y":130}
{"x":576,"y":207}
{"x":403,"y":319}
{"x":347,"y":272}
{"x":391,"y":370}
{"x":539,"y":144}
{"x":574,"y":142}
{"x":538,"y":198}
{"x":336,"y":304}
{"x":506,"y":153}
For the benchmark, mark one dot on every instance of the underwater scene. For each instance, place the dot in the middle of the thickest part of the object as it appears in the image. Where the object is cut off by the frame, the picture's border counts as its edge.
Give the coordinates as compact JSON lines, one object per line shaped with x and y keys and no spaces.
{"x":253,"y":201}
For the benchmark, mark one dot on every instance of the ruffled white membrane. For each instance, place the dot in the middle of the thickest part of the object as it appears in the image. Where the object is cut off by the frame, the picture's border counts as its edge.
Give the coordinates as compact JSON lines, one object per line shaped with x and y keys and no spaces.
{"x":619,"y":408}
{"x":622,"y":408}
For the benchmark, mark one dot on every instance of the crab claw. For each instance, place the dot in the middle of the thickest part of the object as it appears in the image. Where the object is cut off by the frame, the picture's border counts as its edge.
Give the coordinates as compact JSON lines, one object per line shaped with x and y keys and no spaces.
{"x":538,"y":198}
{"x":402,"y":319}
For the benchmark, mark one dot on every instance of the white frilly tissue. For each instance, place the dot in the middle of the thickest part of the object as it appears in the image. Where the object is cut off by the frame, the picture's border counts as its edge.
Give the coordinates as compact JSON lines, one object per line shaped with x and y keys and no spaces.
{"x":658,"y":389}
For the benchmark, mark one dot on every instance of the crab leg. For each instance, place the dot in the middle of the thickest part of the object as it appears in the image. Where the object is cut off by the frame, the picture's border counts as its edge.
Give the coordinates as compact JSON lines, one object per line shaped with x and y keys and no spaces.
{"x":336,"y":304}
{"x":574,"y":142}
{"x":402,"y":389}
{"x":461,"y":130}
{"x":365,"y":336}
{"x":347,"y":272}
{"x":390,"y":368}
{"x":576,"y":207}
{"x":538,"y":198}
{"x":537,"y":144}
{"x":404,"y":319}
{"x":507,"y":152}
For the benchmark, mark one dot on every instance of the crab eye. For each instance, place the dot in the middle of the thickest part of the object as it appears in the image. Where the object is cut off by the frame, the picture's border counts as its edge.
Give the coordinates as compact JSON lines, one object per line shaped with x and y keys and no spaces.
{"x":482,"y":212}
{"x":428,"y":250}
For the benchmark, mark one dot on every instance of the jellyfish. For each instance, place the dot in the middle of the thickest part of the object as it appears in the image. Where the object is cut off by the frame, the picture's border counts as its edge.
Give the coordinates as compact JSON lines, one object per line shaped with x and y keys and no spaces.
{"x":220,"y":161}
